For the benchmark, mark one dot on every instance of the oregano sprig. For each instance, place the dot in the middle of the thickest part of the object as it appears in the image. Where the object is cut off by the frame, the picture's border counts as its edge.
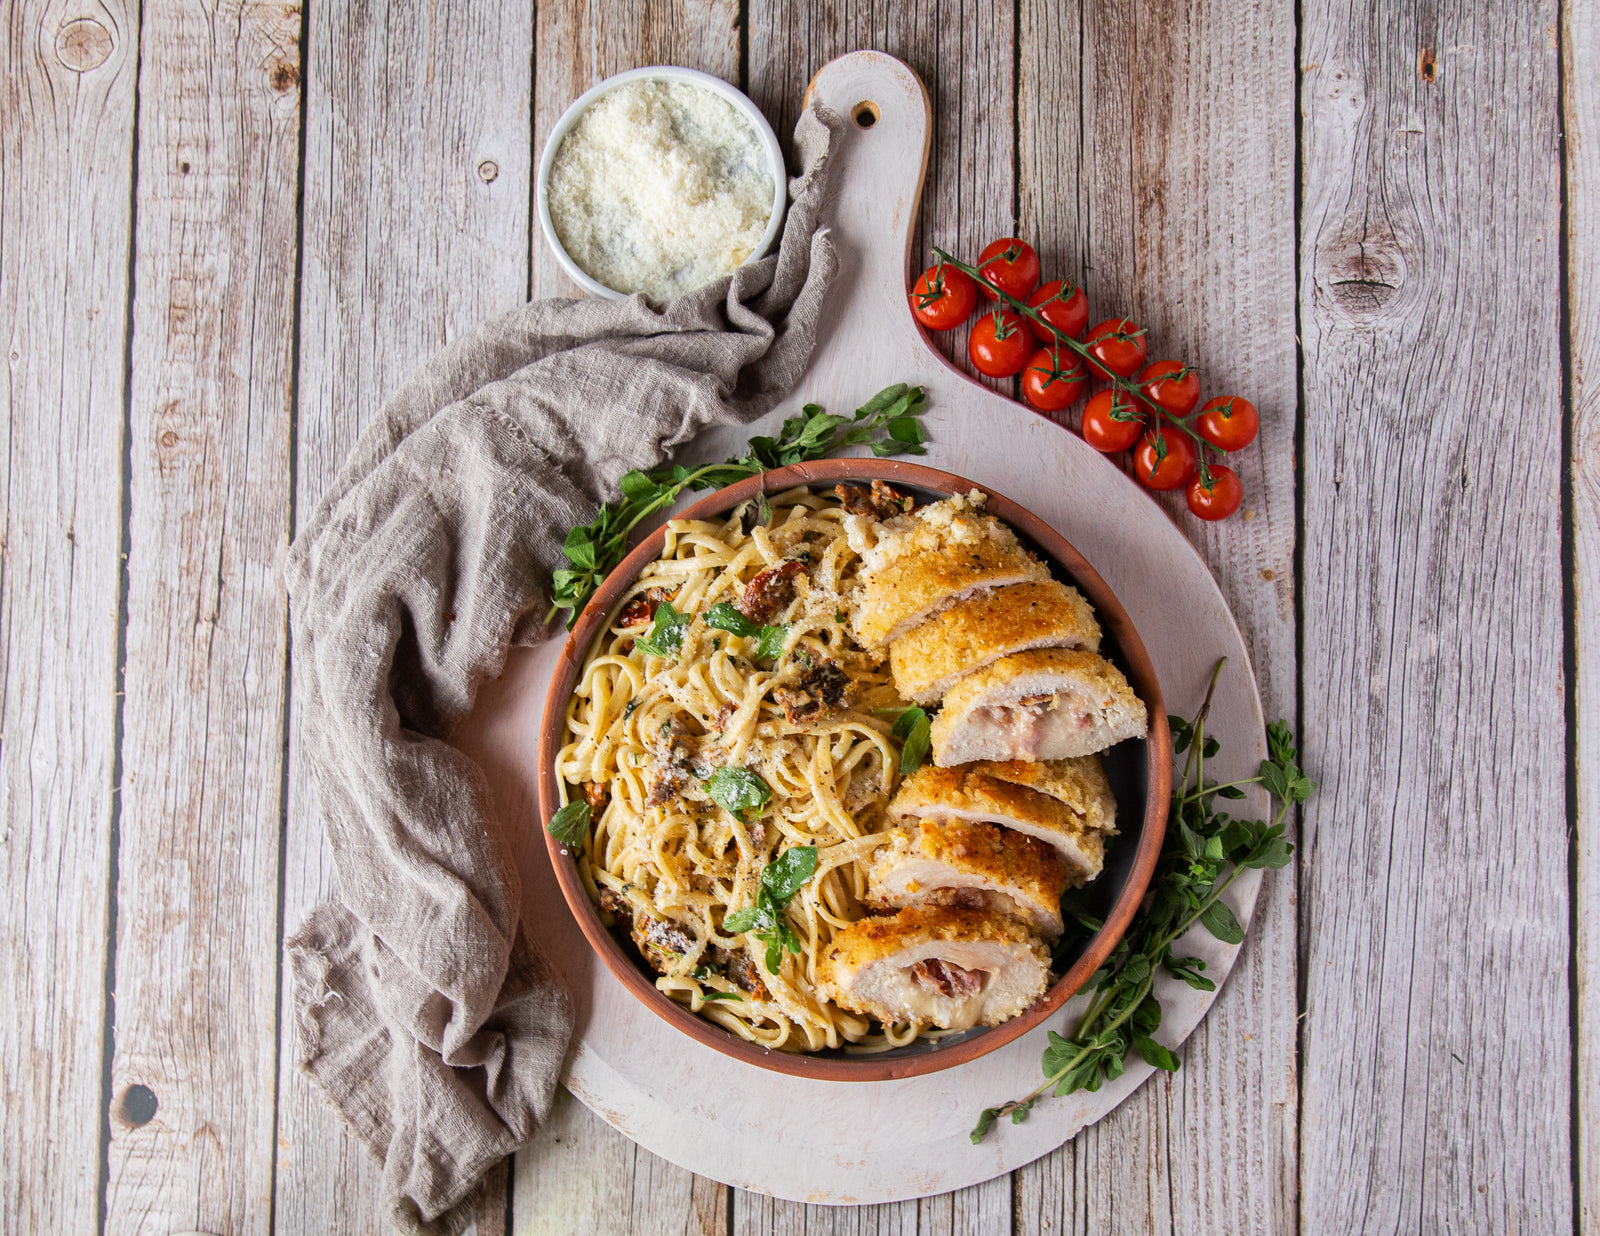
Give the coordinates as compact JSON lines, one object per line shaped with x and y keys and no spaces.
{"x":889,"y":424}
{"x":1206,"y":850}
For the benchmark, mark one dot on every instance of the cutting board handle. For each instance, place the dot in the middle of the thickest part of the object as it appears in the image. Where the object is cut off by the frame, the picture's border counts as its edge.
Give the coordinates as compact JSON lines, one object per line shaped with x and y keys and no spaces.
{"x":877,"y":185}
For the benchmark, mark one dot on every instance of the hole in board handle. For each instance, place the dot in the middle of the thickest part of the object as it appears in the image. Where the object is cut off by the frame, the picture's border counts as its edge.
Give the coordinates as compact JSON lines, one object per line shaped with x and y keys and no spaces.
{"x":866,"y":115}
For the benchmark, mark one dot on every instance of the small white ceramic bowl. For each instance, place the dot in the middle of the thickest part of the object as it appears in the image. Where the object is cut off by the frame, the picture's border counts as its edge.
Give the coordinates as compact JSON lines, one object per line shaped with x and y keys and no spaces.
{"x":670,"y":73}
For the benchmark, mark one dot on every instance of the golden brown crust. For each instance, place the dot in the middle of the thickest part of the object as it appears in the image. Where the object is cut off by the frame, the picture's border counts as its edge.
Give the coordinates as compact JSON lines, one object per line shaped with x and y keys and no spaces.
{"x":967,"y":793}
{"x":925,"y":792}
{"x":998,"y":857}
{"x":976,"y":631}
{"x":1088,"y":671}
{"x":874,"y":938}
{"x":1080,"y":783}
{"x":918,"y":583}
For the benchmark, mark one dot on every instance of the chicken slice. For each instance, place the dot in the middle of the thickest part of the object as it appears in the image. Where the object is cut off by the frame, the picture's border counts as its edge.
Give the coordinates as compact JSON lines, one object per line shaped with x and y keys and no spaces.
{"x":929,"y":659}
{"x":949,"y":967}
{"x":1048,"y":704}
{"x":956,"y":794}
{"x":973,"y":866}
{"x":917,"y":585}
{"x":1079,"y":782}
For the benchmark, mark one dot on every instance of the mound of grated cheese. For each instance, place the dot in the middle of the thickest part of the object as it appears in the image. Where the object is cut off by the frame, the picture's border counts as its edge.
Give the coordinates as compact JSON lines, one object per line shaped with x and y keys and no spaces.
{"x":660,"y":187}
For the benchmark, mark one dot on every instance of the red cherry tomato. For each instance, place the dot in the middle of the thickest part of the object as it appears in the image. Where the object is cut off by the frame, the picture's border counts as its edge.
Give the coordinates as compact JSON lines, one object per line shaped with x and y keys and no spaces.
{"x":1228,"y":422}
{"x":1171,"y":385}
{"x":1011,"y":265}
{"x":943,"y":297}
{"x":1117,"y":346}
{"x":1103,"y":425}
{"x":1218,"y":500}
{"x":1175,"y":465}
{"x":999,"y":344}
{"x":1064,"y":306}
{"x":1054,"y":379}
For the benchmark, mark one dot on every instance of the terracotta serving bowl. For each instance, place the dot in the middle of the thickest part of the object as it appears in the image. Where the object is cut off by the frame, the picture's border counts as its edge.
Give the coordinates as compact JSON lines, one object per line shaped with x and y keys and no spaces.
{"x":1140,"y":772}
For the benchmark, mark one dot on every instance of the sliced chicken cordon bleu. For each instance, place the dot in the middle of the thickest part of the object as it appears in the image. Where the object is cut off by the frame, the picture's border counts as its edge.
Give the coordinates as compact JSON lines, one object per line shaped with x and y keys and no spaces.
{"x":1079,"y":782}
{"x":972,"y":793}
{"x":1048,"y":704}
{"x":971,"y":865}
{"x":918,"y":564}
{"x":929,"y":659}
{"x":954,"y":968}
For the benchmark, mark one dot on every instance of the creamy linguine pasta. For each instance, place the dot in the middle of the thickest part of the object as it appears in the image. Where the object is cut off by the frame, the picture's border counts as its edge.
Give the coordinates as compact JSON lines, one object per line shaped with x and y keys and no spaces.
{"x":795,"y":702}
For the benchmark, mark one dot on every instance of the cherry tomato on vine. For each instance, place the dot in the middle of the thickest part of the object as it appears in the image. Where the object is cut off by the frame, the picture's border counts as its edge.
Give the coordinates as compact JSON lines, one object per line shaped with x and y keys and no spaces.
{"x":1168,"y":466}
{"x":1117,"y":346}
{"x":1104,"y":426}
{"x":999,"y":344}
{"x":1011,"y":265}
{"x":1064,"y":306}
{"x":1228,"y":422}
{"x":943,"y":297}
{"x":1219,"y":499}
{"x":1054,"y":379}
{"x":1171,"y":385}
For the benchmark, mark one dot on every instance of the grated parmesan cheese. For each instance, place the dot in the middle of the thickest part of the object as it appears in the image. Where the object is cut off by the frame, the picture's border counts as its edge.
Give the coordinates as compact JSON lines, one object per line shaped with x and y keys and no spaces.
{"x":660,"y":187}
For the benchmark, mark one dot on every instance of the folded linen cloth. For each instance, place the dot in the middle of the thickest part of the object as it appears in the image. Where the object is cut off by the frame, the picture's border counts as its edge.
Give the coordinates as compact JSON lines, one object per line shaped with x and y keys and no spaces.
{"x":427,"y":1020}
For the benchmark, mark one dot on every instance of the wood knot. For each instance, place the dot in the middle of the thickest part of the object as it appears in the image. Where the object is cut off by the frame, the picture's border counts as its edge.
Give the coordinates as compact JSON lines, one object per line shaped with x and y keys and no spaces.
{"x":488,"y":170}
{"x":1427,"y":65}
{"x":168,"y":440}
{"x":1362,"y":273}
{"x":83,"y":44}
{"x":285,"y":76}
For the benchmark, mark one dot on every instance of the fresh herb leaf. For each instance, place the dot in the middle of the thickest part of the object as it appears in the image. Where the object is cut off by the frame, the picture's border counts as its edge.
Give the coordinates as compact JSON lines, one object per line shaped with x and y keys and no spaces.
{"x":913,"y":730}
{"x":1188,"y":969}
{"x":780,"y":880}
{"x":888,"y":423}
{"x":1220,"y":922}
{"x":739,"y":920}
{"x":737,"y":790}
{"x":1205,"y":851}
{"x":730,"y":618}
{"x":770,"y":642}
{"x":784,"y":876}
{"x":1155,"y":1054}
{"x":666,"y":633}
{"x":709,"y":996}
{"x":570,"y":825}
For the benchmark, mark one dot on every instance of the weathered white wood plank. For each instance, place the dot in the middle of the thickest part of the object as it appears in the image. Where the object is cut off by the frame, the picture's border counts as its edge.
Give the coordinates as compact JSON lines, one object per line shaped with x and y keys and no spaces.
{"x":1581,"y":77}
{"x":417,"y":172}
{"x":202,"y":747}
{"x":581,"y":1175}
{"x":981,"y":1210}
{"x":66,"y":164}
{"x":580,"y":42}
{"x":1437,"y":1054}
{"x":1174,"y":203}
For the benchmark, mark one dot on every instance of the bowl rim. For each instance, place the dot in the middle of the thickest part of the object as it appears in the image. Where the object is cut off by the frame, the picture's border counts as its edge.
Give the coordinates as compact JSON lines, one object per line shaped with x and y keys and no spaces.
{"x":1114,"y":618}
{"x":657,"y":72}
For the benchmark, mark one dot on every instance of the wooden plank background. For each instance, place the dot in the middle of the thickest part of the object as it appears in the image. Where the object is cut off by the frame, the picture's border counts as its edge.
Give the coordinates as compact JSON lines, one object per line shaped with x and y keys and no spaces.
{"x":227,"y":230}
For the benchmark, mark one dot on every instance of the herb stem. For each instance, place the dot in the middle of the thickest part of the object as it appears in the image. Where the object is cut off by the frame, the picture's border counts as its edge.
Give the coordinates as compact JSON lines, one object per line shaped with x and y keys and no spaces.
{"x":1083,"y":1048}
{"x":1212,"y":789}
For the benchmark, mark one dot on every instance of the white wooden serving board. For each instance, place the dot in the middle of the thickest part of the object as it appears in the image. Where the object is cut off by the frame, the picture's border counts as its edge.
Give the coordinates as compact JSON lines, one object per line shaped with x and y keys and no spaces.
{"x":847,"y":1143}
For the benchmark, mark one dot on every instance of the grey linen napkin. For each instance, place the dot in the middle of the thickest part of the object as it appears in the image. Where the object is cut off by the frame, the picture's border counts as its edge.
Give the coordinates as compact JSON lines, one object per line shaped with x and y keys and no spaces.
{"x":426,"y":1018}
